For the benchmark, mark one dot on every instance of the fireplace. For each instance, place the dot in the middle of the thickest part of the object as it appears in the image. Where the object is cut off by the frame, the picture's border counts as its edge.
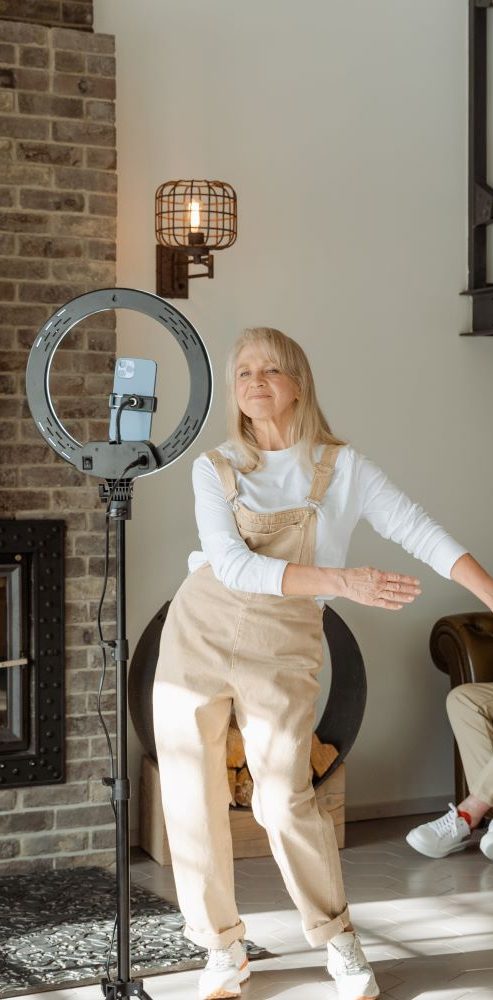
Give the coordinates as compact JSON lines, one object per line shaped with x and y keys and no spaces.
{"x":31,"y":653}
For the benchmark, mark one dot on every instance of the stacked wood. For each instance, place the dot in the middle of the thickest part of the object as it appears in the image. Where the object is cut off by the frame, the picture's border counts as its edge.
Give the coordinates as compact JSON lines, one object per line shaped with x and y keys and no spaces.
{"x":240,"y":780}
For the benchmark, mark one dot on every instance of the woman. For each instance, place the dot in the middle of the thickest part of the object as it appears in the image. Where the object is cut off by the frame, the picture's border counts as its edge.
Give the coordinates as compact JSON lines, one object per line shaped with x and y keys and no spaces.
{"x":275,"y":508}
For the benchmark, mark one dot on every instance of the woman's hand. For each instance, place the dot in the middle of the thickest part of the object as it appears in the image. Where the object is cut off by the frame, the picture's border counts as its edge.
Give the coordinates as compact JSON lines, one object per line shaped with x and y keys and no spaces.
{"x":378,"y":589}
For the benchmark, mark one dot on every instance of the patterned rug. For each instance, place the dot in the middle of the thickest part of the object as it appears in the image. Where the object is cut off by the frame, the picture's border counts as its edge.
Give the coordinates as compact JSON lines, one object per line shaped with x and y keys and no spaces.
{"x":56,"y":927}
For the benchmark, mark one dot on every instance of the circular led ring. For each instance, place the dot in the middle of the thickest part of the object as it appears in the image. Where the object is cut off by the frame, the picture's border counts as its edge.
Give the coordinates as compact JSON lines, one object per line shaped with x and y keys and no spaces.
{"x":101,"y":300}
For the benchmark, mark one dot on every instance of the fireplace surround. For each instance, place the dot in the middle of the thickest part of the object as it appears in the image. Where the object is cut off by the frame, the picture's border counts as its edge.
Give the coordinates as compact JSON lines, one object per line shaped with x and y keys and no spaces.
{"x":32,"y":723}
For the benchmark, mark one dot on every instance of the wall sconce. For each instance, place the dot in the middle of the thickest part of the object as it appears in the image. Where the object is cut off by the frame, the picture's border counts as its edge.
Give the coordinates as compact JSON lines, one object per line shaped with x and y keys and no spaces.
{"x":192,"y":218}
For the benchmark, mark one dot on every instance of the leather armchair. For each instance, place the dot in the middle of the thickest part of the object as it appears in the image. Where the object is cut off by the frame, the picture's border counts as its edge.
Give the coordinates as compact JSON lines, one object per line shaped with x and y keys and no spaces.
{"x":462,"y":647}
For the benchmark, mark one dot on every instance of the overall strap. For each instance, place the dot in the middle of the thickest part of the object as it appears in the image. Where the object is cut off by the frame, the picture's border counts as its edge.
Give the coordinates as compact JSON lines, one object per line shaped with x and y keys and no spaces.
{"x":225,"y":473}
{"x":322,"y":475}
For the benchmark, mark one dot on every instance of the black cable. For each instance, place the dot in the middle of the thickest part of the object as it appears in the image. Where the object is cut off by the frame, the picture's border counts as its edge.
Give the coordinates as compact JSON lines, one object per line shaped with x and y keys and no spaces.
{"x":129,"y":403}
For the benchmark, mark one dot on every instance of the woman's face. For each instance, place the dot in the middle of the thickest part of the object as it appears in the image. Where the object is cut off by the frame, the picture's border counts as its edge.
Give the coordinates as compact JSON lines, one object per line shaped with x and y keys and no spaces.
{"x":263,"y":392}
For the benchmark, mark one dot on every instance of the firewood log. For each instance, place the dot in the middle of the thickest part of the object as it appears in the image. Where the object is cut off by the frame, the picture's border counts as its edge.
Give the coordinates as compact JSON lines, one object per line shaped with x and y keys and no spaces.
{"x":322,"y":756}
{"x":244,"y":787}
{"x":232,"y":784}
{"x":235,"y":751}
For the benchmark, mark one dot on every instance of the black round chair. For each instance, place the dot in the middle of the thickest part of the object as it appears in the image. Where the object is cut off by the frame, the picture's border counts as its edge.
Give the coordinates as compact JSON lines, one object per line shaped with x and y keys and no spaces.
{"x":343,"y":712}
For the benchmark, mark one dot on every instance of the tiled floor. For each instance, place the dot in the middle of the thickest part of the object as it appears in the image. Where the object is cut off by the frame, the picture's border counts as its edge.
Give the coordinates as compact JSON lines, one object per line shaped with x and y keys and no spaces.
{"x":427,"y":926}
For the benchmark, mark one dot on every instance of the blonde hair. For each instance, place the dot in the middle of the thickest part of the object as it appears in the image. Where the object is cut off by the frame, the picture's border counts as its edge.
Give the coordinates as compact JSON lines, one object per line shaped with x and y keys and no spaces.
{"x":309,"y":424}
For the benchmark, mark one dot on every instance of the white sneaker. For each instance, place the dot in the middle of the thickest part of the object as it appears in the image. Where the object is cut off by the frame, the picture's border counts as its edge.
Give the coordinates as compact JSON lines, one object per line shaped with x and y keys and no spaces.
{"x":348,"y":966}
{"x":226,"y":969}
{"x":442,"y":836}
{"x":486,"y":842}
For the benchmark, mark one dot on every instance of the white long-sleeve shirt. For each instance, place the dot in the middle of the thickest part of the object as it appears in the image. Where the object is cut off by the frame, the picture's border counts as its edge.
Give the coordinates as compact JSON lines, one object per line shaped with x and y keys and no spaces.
{"x":358,"y":489}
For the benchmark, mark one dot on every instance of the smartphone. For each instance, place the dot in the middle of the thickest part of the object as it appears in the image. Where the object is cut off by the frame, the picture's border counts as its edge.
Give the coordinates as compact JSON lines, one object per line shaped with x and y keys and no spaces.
{"x":133,"y":376}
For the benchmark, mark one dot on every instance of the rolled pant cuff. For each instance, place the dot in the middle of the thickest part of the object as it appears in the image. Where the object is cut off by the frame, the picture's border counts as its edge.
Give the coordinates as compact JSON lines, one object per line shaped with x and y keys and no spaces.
{"x":324,"y":932}
{"x":210,"y":940}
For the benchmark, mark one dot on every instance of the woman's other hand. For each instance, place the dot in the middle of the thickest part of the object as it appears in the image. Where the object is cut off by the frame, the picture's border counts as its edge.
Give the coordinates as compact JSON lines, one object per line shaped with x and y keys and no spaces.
{"x":378,"y":589}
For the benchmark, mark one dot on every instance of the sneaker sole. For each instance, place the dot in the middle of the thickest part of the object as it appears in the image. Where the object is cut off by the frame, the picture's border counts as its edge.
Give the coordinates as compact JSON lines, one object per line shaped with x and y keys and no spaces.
{"x":434,"y":854}
{"x":244,"y":975}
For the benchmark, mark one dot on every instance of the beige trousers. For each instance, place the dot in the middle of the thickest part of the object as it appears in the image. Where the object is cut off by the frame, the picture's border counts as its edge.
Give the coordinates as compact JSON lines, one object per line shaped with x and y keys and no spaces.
{"x":261,"y":654}
{"x":470,"y":710}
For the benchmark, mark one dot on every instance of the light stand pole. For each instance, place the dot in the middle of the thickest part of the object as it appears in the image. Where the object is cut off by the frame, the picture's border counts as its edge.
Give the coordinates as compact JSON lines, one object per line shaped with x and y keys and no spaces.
{"x":118,"y":464}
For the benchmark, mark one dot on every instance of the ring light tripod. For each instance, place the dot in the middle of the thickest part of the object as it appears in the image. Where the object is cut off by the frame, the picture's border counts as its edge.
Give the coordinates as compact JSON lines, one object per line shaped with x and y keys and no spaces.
{"x":119,"y":464}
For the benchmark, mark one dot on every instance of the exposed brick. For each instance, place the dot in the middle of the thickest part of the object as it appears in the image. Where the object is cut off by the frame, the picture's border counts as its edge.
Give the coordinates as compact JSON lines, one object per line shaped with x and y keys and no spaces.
{"x":102,"y":859}
{"x":31,"y":246}
{"x":99,"y":747}
{"x":38,"y":292}
{"x":9,"y":430}
{"x":102,"y":838}
{"x":100,"y":111}
{"x":23,"y":128}
{"x":89,"y":133}
{"x":7,"y":77}
{"x":52,"y":106}
{"x":52,"y":201}
{"x":101,"y":65}
{"x":76,"y":659}
{"x":34,"y":56}
{"x":46,"y":11}
{"x":98,"y":274}
{"x":7,"y":197}
{"x":24,"y":867}
{"x":76,"y":565}
{"x":95,"y":768}
{"x":89,"y":180}
{"x":11,"y":361}
{"x":11,"y":848}
{"x":83,"y":226}
{"x":16,"y":267}
{"x":7,"y":291}
{"x":100,"y":815}
{"x":10,"y":409}
{"x":7,"y":150}
{"x":8,"y":387}
{"x":70,"y":62}
{"x":108,"y":702}
{"x":77,"y":613}
{"x":44,"y":152}
{"x":27,"y":34}
{"x":67,"y":39}
{"x":73,"y":85}
{"x":31,"y":79}
{"x":16,"y":500}
{"x":74,"y":500}
{"x":108,"y":614}
{"x":101,"y":250}
{"x":8,"y":800}
{"x":76,"y":705}
{"x":7,"y":100}
{"x":8,"y":54}
{"x":54,"y":843}
{"x":77,"y":748}
{"x":24,"y":222}
{"x":7,"y":243}
{"x":27,"y":173}
{"x":102,"y":204}
{"x":9,"y":477}
{"x":101,"y":158}
{"x":86,"y":587}
{"x":62,"y":474}
{"x":105,"y":340}
{"x":76,"y":13}
{"x":53,"y":795}
{"x":26,"y":822}
{"x":83,"y":681}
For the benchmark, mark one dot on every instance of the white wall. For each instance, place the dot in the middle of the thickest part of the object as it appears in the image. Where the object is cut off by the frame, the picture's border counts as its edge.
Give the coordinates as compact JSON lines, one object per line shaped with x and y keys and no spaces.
{"x":343,"y":129}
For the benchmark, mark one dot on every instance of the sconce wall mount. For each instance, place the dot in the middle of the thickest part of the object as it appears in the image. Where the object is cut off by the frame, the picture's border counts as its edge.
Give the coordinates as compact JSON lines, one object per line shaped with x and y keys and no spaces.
{"x":192,"y":219}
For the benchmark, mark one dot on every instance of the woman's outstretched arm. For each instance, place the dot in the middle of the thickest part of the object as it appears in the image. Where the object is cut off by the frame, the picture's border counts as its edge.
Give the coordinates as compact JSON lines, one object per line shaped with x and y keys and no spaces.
{"x":470,"y":574}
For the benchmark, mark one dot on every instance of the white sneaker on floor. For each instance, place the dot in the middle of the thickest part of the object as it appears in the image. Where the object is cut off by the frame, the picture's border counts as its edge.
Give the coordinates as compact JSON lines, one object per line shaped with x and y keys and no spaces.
{"x":348,"y":966}
{"x":226,"y":969}
{"x":486,"y":842}
{"x":442,"y":836}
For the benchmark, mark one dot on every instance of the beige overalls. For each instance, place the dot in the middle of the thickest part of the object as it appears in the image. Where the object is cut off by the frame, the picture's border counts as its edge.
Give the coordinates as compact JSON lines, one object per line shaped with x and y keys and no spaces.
{"x":260,"y":653}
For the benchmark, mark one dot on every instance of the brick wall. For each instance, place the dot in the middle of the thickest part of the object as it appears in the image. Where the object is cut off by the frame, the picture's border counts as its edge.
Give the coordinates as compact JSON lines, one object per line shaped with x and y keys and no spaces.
{"x":57,"y":240}
{"x":55,"y":13}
